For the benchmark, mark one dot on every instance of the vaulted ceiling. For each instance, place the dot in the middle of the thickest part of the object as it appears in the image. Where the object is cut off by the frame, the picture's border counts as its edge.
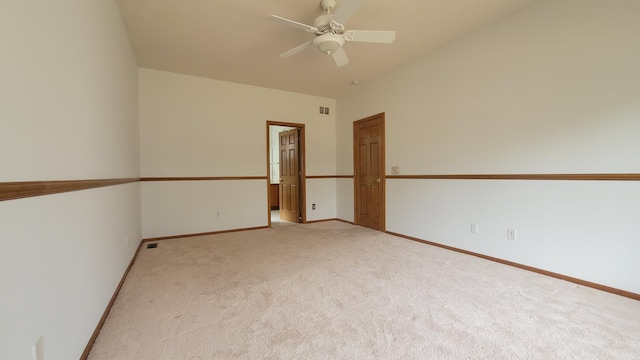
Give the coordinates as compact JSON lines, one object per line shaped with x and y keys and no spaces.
{"x":233,"y":40}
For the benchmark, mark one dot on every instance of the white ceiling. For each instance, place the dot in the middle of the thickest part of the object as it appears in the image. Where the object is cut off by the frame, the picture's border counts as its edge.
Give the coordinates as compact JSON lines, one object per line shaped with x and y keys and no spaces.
{"x":232,"y":40}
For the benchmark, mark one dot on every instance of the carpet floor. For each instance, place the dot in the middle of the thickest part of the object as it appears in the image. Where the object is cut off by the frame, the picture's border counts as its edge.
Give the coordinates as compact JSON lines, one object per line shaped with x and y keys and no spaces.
{"x":336,"y":291}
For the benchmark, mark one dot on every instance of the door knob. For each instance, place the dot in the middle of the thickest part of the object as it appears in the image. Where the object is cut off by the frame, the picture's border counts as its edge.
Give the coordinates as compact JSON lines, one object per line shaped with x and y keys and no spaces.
{"x":280,"y":179}
{"x":379,"y":180}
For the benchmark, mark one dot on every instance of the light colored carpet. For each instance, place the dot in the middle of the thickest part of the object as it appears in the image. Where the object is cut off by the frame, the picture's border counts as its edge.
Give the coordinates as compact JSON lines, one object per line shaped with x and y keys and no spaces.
{"x":337,"y":291}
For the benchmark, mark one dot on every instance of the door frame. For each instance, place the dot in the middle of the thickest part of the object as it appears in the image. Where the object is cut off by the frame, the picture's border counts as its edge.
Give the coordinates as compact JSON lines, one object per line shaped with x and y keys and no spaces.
{"x":383,"y":206}
{"x":302,"y":176}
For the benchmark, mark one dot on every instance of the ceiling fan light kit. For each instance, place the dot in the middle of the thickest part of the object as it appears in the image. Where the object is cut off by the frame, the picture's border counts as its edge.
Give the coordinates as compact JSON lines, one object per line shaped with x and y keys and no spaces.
{"x":328,"y":43}
{"x":330,"y":31}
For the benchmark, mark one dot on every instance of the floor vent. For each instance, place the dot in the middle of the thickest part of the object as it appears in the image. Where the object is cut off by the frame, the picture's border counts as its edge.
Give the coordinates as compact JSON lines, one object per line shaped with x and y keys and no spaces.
{"x":152,"y":246}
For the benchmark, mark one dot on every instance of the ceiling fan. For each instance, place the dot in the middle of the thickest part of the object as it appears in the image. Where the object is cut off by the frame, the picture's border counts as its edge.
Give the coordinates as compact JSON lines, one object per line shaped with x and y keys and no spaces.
{"x":331,"y":33}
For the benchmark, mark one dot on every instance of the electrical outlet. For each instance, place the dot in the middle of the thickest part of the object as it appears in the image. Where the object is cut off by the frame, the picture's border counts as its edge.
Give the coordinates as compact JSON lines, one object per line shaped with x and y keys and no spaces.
{"x":474,"y":228}
{"x":511,"y":234}
{"x":37,"y":350}
{"x":313,"y":206}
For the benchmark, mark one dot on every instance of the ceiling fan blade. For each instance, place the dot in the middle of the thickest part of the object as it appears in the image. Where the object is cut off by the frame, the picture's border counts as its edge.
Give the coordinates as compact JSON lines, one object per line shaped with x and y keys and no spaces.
{"x":295,"y":24}
{"x":340,"y":57}
{"x":296,"y":49}
{"x":372,"y":36}
{"x":345,"y":10}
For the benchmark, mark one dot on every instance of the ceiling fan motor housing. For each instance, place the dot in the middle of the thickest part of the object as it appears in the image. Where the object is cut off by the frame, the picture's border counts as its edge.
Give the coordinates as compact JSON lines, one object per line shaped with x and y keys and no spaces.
{"x":323,"y":23}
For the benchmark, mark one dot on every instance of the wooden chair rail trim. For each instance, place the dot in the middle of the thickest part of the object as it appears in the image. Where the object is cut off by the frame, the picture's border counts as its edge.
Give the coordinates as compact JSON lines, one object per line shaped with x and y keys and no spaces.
{"x":203,"y":178}
{"x":608,"y":289}
{"x":24,"y":189}
{"x":329,"y":177}
{"x":320,"y":176}
{"x":592,"y":177}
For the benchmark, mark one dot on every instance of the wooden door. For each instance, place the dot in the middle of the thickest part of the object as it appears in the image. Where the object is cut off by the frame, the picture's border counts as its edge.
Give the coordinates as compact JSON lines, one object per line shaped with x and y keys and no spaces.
{"x":274,"y":197}
{"x":289,"y":176}
{"x":368,"y":140}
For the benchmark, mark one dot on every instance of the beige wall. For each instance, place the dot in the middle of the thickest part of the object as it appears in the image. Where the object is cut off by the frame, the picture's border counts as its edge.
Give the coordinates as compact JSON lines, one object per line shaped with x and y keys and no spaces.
{"x":197,"y":127}
{"x":553,"y":88}
{"x":68,"y":91}
{"x":68,"y":111}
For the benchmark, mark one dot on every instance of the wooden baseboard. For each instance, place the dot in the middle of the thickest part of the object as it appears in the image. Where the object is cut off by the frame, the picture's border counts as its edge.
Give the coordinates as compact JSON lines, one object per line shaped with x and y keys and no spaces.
{"x":600,"y":287}
{"x":319,"y":221}
{"x":201,"y":234}
{"x":96,"y":332}
{"x":346,"y":221}
{"x":332,"y":219}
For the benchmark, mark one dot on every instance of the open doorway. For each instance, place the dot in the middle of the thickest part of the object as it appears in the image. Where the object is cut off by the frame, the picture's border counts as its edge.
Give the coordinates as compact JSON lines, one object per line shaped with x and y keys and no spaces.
{"x":285,"y":173}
